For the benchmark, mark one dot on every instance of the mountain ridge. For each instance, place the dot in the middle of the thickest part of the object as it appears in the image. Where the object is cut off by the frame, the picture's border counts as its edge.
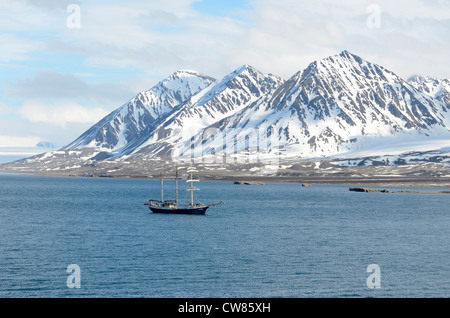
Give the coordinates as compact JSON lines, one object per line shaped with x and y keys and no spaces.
{"x":353,"y":106}
{"x":337,"y":106}
{"x":141,"y":111}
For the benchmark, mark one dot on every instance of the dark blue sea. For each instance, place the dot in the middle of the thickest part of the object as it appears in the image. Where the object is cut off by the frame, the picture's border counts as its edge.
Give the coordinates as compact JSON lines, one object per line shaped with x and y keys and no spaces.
{"x":278,"y":240}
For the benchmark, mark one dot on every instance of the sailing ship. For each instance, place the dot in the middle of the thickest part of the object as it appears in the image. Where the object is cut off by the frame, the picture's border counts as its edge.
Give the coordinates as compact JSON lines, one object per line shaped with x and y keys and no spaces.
{"x":172,"y":206}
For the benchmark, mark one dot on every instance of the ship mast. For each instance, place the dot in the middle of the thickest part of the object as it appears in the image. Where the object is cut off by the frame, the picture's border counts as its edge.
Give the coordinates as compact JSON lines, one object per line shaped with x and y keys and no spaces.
{"x":162,"y":182}
{"x":191,"y":189}
{"x":176,"y":184}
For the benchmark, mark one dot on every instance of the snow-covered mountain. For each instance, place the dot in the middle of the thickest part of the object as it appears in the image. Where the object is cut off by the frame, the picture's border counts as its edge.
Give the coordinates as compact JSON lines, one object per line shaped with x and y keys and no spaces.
{"x":222,"y":99}
{"x":439,"y":89}
{"x":340,"y":104}
{"x":338,"y":107}
{"x":126,"y":123}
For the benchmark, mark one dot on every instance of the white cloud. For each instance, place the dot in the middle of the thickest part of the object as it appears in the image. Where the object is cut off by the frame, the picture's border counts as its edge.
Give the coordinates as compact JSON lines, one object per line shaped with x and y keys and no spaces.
{"x":275,"y":36}
{"x":5,"y":109}
{"x":288,"y":35}
{"x":154,"y":38}
{"x":15,"y":48}
{"x":54,"y":85}
{"x":16,"y":142}
{"x":278,"y":36}
{"x":20,"y":25}
{"x":60,"y":113}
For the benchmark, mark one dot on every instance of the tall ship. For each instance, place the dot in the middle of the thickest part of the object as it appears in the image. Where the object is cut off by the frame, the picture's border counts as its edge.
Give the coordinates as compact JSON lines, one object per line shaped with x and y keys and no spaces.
{"x":172,"y":206}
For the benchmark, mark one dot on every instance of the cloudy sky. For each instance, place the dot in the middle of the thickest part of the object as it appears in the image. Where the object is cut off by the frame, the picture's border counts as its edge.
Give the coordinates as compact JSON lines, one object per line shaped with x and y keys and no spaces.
{"x":64,"y":64}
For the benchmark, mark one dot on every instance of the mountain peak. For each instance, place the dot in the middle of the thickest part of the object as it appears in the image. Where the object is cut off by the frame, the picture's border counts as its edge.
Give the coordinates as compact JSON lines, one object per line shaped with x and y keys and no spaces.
{"x":347,"y":63}
{"x":184,"y":73}
{"x":348,"y":55}
{"x":242,"y":71}
{"x":244,"y":78}
{"x":244,"y":68}
{"x":345,"y":53}
{"x":180,"y":74}
{"x":345,"y":59}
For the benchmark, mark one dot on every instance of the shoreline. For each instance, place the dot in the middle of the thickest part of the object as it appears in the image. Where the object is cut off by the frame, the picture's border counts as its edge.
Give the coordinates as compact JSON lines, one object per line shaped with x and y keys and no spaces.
{"x":379,"y":181}
{"x":399,"y":182}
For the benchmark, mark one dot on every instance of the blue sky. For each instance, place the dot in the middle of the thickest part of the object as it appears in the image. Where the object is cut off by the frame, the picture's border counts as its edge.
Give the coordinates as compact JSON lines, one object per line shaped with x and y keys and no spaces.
{"x":220,"y":8}
{"x":57,"y":81}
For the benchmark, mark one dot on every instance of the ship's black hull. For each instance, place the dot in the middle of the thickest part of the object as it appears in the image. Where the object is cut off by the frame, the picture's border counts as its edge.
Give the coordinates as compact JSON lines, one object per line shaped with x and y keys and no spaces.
{"x":192,"y":211}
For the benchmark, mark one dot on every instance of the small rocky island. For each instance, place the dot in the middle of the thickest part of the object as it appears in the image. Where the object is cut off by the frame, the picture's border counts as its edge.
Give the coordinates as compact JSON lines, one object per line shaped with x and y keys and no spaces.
{"x":369,"y":190}
{"x":249,"y":182}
